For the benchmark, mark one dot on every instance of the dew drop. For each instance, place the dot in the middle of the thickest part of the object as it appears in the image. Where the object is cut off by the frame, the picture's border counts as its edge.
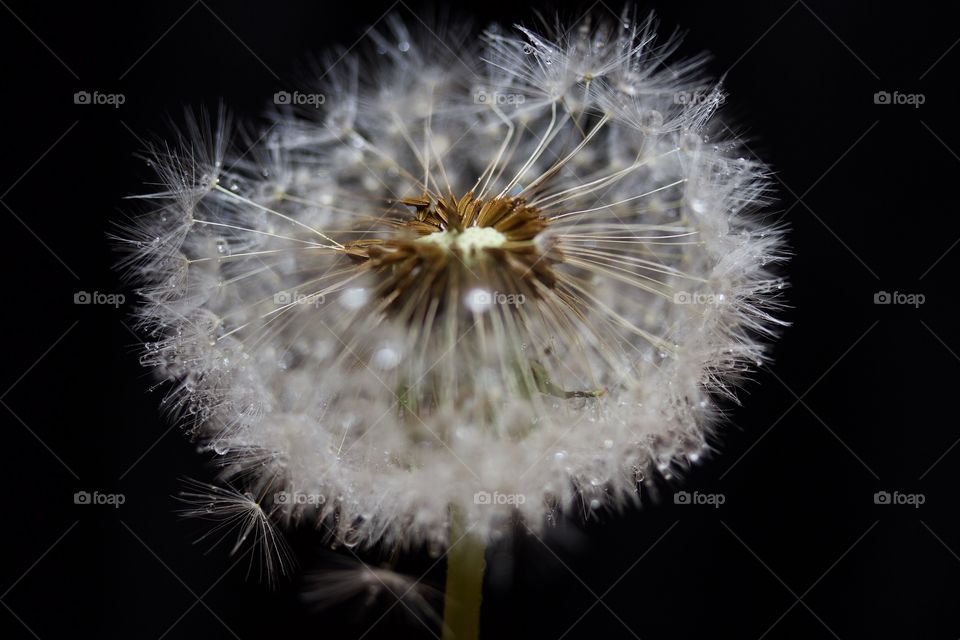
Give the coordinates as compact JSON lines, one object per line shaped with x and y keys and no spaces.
{"x":354,"y":298}
{"x":691,"y":141}
{"x":386,"y":358}
{"x":652,"y":119}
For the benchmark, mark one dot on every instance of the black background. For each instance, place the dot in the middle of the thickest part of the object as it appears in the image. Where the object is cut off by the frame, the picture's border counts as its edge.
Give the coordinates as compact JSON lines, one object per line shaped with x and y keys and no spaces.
{"x":861,"y":397}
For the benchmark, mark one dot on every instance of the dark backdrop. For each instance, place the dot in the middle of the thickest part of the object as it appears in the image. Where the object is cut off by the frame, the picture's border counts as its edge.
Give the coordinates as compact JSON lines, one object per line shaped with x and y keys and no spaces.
{"x":861,"y":398}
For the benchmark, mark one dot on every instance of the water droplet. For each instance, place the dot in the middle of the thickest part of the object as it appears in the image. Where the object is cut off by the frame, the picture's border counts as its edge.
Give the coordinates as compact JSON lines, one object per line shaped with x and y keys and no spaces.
{"x":691,"y":141}
{"x":354,"y":298}
{"x":652,"y":119}
{"x":386,"y":358}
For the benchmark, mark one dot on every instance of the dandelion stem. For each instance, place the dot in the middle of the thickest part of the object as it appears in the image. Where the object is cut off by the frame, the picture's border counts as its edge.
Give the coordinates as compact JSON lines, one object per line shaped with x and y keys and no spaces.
{"x":464,"y":592}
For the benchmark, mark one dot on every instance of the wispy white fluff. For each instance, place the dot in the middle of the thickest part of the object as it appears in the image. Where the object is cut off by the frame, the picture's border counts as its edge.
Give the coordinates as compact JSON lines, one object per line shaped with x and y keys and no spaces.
{"x":376,"y":409}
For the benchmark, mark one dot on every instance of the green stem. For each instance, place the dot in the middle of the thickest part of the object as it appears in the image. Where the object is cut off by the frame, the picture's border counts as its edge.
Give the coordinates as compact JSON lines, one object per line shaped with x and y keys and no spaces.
{"x":464,"y":592}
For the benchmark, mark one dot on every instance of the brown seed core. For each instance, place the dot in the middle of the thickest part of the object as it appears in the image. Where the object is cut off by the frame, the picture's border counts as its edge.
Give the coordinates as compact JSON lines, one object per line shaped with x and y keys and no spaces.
{"x":417,"y":271}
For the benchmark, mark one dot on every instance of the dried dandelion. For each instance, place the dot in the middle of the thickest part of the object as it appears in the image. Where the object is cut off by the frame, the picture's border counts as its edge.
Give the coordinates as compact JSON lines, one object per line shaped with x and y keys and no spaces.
{"x":483,"y":281}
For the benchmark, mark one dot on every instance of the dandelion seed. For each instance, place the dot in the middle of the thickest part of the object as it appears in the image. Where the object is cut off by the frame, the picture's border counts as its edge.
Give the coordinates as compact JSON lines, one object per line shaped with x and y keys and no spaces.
{"x":350,"y":579}
{"x":241,"y":514}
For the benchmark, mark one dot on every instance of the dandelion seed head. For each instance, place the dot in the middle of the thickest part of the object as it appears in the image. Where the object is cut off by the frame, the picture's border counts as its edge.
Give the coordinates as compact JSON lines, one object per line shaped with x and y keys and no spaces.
{"x":508,"y":279}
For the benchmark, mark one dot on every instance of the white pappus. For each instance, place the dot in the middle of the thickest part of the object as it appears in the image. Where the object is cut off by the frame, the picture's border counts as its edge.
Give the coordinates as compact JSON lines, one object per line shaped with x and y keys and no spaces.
{"x":503,"y":275}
